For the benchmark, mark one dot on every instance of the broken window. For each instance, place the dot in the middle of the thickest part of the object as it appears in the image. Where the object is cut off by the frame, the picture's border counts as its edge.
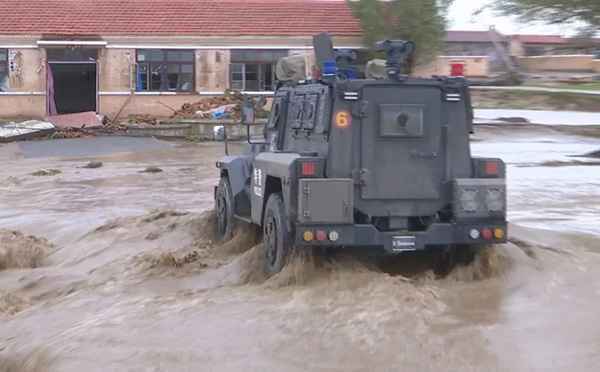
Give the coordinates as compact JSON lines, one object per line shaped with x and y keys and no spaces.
{"x":165,"y":71}
{"x":254,"y":70}
{"x":3,"y":70}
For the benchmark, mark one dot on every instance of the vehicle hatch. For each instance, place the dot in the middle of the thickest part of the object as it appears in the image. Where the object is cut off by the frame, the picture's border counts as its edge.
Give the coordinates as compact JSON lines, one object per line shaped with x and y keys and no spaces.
{"x":401,"y":142}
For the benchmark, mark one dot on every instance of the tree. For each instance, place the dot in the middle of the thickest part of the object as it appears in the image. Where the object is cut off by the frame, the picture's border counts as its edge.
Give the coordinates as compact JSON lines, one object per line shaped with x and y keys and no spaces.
{"x":421,"y":21}
{"x":584,"y":12}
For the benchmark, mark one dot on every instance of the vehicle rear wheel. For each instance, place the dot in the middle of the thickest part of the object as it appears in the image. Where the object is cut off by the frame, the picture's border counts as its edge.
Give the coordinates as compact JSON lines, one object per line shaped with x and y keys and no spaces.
{"x":446,"y":259}
{"x":277,"y":239}
{"x":224,"y":210}
{"x":465,"y":254}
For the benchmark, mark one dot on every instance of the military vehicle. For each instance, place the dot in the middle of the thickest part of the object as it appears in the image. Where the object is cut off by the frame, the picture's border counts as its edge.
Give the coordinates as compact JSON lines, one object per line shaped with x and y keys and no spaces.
{"x":383,"y":164}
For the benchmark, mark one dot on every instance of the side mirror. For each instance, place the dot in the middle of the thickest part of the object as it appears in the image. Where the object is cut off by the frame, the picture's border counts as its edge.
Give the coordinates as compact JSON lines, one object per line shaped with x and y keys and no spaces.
{"x":248,"y":114}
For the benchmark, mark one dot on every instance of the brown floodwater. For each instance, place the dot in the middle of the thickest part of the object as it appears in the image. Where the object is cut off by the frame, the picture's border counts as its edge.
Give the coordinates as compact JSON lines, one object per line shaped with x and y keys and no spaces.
{"x":127,"y":276}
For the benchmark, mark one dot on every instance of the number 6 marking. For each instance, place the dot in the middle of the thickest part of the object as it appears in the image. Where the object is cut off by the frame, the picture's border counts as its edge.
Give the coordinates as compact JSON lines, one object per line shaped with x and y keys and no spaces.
{"x":342,"y":119}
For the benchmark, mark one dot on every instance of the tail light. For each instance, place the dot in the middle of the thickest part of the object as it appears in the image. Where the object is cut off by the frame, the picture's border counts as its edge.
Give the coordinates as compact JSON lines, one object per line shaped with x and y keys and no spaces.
{"x":489,"y":168}
{"x":487,"y":234}
{"x":308,"y":169}
{"x":492,"y":168}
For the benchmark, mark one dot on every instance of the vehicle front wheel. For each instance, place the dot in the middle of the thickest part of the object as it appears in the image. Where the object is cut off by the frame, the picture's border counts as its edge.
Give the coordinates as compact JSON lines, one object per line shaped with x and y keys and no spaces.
{"x":277,"y":239}
{"x":224,"y":210}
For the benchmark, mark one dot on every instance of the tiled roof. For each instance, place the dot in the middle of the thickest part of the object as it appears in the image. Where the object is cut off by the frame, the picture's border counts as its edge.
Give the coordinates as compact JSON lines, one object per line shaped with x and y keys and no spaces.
{"x":541,"y":39}
{"x":177,"y":17}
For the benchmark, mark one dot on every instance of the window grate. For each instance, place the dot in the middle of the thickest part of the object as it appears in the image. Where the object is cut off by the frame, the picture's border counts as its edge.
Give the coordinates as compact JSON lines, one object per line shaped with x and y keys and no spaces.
{"x":254,"y":70}
{"x":160,"y":70}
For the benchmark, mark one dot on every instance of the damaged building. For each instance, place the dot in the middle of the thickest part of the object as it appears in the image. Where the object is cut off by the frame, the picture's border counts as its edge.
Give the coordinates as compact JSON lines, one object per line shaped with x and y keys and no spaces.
{"x":148,"y":57}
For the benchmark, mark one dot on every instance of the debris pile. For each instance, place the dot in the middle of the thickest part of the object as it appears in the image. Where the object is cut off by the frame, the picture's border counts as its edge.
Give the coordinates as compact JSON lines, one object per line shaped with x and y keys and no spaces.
{"x":25,"y":130}
{"x":113,"y":127}
{"x":143,"y":119}
{"x":228,"y":105}
{"x":69,"y":133}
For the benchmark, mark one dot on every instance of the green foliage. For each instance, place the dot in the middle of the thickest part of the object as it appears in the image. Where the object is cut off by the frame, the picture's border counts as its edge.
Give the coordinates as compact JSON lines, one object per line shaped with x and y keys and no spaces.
{"x":421,"y":21}
{"x":585,"y":12}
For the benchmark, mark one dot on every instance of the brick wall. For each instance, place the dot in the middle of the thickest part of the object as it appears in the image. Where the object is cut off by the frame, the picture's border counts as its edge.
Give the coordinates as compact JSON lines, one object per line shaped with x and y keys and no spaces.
{"x":28,"y":107}
{"x":212,"y":69}
{"x":25,"y":96}
{"x":475,"y":66}
{"x":558,"y":63}
{"x":116,"y":68}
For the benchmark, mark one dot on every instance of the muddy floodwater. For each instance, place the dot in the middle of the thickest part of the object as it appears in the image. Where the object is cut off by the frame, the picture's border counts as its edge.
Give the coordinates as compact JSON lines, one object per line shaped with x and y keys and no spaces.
{"x":114,"y":267}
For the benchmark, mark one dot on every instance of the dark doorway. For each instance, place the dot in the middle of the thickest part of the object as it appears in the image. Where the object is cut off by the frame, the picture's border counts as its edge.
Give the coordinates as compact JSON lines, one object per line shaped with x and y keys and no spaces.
{"x":74,"y":86}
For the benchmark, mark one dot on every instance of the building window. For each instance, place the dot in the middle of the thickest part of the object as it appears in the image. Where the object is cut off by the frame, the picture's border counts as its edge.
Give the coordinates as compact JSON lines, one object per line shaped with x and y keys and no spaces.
{"x":3,"y":70}
{"x":535,"y":50}
{"x":254,"y":70}
{"x":165,"y":71}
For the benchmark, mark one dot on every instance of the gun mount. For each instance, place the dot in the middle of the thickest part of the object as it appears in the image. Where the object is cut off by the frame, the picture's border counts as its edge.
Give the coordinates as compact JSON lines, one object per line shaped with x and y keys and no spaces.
{"x":398,"y":55}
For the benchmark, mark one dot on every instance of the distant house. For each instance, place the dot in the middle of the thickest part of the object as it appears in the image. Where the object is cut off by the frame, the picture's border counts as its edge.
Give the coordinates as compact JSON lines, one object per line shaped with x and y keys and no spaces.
{"x":474,"y":43}
{"x":551,"y":53}
{"x":536,"y":45}
{"x":540,"y":45}
{"x":479,"y":52}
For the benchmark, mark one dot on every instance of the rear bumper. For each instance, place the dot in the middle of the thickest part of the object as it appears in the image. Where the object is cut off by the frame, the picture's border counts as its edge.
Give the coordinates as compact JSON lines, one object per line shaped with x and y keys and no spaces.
{"x":438,"y":234}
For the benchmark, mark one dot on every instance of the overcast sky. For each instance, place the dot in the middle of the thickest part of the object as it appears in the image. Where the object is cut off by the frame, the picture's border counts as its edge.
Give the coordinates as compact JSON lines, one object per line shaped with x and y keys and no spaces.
{"x":461,"y":18}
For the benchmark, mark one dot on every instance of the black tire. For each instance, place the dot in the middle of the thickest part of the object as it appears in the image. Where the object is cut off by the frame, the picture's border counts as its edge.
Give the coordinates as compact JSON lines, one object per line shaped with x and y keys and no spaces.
{"x":277,"y":239}
{"x":224,"y":210}
{"x":446,"y":259}
{"x":465,"y":254}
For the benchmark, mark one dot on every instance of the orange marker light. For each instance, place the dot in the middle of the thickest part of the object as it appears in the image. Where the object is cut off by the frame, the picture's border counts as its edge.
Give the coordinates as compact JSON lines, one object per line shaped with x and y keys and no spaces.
{"x":308,"y":236}
{"x":498,"y":233}
{"x":342,"y":119}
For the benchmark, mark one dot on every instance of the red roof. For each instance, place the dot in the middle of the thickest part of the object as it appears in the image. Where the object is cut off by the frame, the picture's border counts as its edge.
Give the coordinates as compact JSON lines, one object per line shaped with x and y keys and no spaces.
{"x":540,"y":39}
{"x":177,"y":17}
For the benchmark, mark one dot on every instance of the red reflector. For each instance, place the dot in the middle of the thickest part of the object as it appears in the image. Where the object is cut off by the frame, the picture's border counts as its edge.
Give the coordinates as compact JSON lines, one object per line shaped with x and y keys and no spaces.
{"x":491,"y":168}
{"x":487,"y":234}
{"x":321,"y":235}
{"x":309,"y":168}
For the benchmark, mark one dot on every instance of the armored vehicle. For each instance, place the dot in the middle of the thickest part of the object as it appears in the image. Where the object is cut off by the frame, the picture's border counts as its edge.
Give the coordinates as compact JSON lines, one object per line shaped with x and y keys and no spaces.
{"x":381,"y":163}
